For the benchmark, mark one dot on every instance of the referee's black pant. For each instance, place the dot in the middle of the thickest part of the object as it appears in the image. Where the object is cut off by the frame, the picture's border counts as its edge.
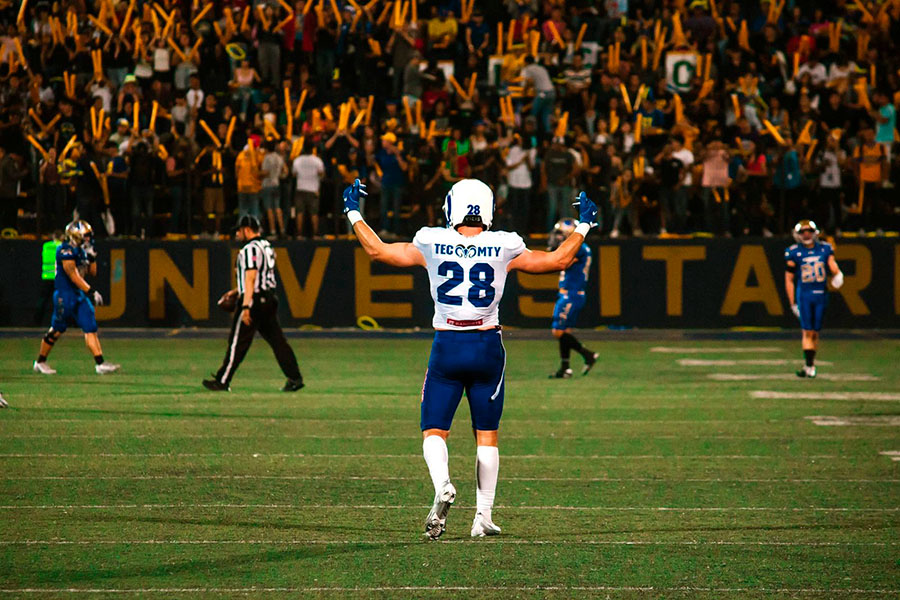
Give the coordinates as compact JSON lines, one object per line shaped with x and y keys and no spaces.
{"x":263,"y":318}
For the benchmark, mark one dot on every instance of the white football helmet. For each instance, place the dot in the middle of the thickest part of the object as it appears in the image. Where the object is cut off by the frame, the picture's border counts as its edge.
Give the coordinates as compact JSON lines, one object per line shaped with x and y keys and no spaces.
{"x":469,"y":202}
{"x":806,"y":225}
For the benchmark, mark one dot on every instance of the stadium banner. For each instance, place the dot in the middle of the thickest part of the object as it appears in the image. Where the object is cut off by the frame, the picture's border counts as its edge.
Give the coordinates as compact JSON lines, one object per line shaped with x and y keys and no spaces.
{"x":633,"y":283}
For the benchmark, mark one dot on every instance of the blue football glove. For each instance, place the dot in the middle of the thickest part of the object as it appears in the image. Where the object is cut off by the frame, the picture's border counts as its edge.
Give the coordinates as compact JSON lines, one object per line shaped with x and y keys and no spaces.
{"x":352,"y":195}
{"x":587,"y":210}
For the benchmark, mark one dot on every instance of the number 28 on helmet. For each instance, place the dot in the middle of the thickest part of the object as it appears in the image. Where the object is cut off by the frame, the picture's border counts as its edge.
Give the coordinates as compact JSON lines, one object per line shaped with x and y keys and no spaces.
{"x":471,"y":203}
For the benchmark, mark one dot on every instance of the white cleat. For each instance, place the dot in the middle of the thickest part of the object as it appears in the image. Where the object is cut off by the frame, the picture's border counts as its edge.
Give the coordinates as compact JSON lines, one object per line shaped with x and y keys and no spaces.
{"x":43,"y":368}
{"x":104,"y":368}
{"x":3,"y":403}
{"x":808,"y":372}
{"x":436,"y":522}
{"x":482,"y":526}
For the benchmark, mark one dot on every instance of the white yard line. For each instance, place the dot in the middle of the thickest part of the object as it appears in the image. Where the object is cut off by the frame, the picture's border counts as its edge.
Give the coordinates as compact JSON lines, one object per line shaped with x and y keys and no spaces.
{"x":655,"y":590}
{"x":412,"y":436}
{"x":398,"y":478}
{"x":818,"y":395}
{"x":412,"y":422}
{"x":725,"y":362}
{"x":825,"y":509}
{"x":515,"y":542}
{"x":418,"y":457}
{"x":713,"y":349}
{"x":405,"y":436}
{"x":790,"y":376}
{"x":893,"y":454}
{"x":858,"y":421}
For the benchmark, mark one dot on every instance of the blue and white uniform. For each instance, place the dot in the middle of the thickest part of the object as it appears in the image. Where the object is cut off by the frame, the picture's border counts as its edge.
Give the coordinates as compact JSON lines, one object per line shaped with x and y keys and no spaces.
{"x":467,"y":277}
{"x":572,"y":284}
{"x":70,"y":304}
{"x":811,"y":281}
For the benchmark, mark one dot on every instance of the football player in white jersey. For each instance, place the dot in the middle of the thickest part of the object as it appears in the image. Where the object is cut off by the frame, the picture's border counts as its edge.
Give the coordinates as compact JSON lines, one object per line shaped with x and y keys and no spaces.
{"x":467,"y":267}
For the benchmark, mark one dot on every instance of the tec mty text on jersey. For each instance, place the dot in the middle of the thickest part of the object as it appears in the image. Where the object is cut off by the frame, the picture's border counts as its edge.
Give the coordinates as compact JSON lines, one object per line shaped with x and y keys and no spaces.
{"x":470,"y":251}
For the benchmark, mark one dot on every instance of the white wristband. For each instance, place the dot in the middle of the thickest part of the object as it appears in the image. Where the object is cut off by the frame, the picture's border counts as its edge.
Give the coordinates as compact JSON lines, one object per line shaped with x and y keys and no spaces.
{"x":583,"y":229}
{"x":355,"y":217}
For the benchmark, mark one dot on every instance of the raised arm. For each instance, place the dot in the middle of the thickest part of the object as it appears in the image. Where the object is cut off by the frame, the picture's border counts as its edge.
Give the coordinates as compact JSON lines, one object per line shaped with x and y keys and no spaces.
{"x":402,"y":254}
{"x":547,"y":262}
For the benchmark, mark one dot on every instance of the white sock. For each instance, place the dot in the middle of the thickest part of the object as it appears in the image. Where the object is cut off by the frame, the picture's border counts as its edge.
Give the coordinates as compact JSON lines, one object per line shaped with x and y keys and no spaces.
{"x":434,"y":448}
{"x":487,"y":466}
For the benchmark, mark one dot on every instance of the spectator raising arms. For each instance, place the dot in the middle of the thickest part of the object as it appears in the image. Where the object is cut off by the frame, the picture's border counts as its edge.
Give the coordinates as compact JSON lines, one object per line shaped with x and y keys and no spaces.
{"x":178,"y":117}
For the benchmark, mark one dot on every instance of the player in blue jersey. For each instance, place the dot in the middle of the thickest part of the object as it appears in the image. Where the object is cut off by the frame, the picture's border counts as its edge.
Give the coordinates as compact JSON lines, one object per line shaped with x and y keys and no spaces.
{"x":812,"y":260}
{"x":73,"y":298}
{"x":572,"y":284}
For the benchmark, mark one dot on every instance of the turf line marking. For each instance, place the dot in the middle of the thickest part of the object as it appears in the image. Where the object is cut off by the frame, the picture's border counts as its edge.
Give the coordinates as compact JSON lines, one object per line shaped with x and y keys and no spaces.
{"x":790,"y":376}
{"x":423,"y":506}
{"x":416,"y":456}
{"x":711,"y":350}
{"x":852,"y":396}
{"x":514,"y":542}
{"x":764,"y":362}
{"x":276,"y":418}
{"x":375,"y":478}
{"x":860,"y":421}
{"x":407,"y":437}
{"x":893,"y":454}
{"x":827,"y":592}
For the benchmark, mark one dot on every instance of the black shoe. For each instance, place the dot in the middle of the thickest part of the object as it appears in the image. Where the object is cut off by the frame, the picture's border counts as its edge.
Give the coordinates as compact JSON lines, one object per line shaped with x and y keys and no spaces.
{"x":292,"y":385}
{"x":214,"y":385}
{"x":562,"y":374}
{"x":808,"y":372}
{"x":589,"y":362}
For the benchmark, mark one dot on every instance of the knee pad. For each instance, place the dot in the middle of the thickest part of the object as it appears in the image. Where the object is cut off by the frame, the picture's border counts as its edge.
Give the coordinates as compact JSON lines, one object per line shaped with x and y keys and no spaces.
{"x":51,"y":336}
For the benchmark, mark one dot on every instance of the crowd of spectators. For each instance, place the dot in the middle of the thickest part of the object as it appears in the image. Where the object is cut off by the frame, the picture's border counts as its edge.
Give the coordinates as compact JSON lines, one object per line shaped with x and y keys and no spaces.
{"x":175,"y":117}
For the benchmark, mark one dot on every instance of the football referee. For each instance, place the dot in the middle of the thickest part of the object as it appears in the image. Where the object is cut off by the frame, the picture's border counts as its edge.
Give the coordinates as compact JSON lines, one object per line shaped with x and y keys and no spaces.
{"x":256,"y":310}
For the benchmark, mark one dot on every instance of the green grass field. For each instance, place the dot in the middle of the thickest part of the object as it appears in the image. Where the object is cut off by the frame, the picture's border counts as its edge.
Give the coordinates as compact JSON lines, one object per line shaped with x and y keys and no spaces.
{"x":646,"y":479}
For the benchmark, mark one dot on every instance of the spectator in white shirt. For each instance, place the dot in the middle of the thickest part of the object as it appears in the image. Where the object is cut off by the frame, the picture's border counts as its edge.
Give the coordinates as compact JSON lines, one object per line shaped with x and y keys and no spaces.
{"x":273,"y":168}
{"x":537,"y":78}
{"x":519,"y":165}
{"x":309,"y":170}
{"x":842,"y":68}
{"x":816,"y":70}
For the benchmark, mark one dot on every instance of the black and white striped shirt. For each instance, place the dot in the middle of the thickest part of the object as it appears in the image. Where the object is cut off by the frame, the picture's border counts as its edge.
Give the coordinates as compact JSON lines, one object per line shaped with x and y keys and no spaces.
{"x":257,"y":254}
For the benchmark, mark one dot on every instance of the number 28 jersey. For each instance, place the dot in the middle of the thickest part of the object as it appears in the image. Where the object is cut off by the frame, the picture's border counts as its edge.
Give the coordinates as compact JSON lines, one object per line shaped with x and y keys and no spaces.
{"x":467,"y":274}
{"x":812,"y":266}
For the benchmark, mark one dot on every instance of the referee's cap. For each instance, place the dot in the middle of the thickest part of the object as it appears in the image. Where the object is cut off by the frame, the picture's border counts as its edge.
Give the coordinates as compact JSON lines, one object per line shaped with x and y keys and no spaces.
{"x":248,"y":221}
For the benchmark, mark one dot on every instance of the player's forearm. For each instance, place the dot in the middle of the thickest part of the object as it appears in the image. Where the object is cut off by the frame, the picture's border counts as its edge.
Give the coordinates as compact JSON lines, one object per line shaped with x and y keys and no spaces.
{"x":548,"y":262}
{"x":369,"y":240}
{"x":75,"y":277}
{"x":249,"y":285}
{"x":789,"y":287}
{"x":568,"y":249}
